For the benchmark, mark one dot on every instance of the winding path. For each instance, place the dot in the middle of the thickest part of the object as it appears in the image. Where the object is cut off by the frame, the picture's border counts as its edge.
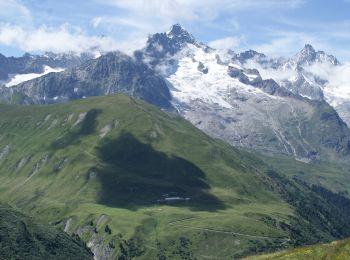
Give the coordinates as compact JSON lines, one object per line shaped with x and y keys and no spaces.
{"x":222,"y":231}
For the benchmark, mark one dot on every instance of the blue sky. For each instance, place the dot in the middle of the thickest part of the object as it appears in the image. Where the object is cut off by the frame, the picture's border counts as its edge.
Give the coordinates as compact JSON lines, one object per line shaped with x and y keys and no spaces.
{"x":275,"y":27}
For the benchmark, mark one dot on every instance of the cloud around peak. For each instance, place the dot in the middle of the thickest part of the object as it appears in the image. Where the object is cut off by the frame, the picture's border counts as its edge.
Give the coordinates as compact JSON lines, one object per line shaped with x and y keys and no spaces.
{"x":226,"y":43}
{"x":63,"y":39}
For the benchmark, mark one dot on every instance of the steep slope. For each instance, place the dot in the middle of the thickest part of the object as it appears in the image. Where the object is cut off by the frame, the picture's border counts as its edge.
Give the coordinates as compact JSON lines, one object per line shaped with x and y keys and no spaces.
{"x":135,"y":182}
{"x":111,"y":73}
{"x":233,"y":102}
{"x":334,"y":250}
{"x":23,"y":238}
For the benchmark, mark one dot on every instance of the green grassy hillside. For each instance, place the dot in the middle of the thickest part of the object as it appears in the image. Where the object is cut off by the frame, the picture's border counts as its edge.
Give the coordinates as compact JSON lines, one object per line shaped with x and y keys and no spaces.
{"x":332,"y":174}
{"x":22,"y":237}
{"x":339,"y":250}
{"x":102,"y":168}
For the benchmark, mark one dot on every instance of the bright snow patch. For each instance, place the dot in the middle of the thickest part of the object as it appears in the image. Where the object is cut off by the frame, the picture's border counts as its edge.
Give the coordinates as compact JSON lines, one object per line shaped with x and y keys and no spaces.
{"x":19,"y":78}
{"x":190,"y":84}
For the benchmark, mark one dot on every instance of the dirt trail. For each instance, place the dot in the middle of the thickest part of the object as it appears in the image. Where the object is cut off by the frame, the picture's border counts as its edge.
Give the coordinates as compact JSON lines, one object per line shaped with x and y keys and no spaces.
{"x":226,"y":232}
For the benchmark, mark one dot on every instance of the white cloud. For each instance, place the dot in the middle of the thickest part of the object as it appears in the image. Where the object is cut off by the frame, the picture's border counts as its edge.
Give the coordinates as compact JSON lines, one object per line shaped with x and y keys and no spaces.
{"x":96,"y":21}
{"x":120,"y":21}
{"x":329,"y":36}
{"x":288,"y":43}
{"x":139,"y":18}
{"x":62,"y":39}
{"x":14,"y":11}
{"x":280,"y":46}
{"x":160,"y":14}
{"x":225,"y":43}
{"x":338,"y":77}
{"x":270,"y":73}
{"x":194,"y":9}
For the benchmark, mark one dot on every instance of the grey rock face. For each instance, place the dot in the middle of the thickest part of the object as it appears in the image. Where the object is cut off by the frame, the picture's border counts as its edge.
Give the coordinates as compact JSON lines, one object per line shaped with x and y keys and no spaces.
{"x":248,"y":55}
{"x":258,"y":123}
{"x":303,"y":87}
{"x":35,"y":63}
{"x":202,"y":68}
{"x":111,"y":73}
{"x":269,"y":86}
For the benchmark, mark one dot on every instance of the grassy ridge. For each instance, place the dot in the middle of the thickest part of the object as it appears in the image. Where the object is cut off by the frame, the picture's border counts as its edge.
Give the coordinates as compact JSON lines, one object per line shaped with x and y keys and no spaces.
{"x":335,"y":250}
{"x":97,"y":167}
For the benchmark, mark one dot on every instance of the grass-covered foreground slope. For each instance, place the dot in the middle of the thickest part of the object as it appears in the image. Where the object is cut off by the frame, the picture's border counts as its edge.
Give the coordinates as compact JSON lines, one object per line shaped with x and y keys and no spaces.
{"x":101,"y":168}
{"x":339,"y":250}
{"x":22,"y":237}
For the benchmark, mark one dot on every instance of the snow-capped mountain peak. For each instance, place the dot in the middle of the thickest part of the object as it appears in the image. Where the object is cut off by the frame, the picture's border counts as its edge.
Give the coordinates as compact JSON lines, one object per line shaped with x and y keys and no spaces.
{"x":179,"y":34}
{"x":308,"y":49}
{"x":306,"y":55}
{"x":171,"y":42}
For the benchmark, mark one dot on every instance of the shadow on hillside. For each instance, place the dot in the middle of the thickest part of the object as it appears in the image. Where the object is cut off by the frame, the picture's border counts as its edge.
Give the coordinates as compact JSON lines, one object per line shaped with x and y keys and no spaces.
{"x":86,"y":127}
{"x":135,"y":175}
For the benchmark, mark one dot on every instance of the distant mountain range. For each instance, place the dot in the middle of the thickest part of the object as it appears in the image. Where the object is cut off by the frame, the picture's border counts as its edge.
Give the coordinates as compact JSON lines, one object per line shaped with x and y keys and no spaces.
{"x":240,"y":98}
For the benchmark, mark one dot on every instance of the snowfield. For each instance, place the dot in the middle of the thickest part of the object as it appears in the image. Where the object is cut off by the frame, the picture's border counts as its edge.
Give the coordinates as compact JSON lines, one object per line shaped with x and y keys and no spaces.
{"x":191,"y":84}
{"x":19,"y":78}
